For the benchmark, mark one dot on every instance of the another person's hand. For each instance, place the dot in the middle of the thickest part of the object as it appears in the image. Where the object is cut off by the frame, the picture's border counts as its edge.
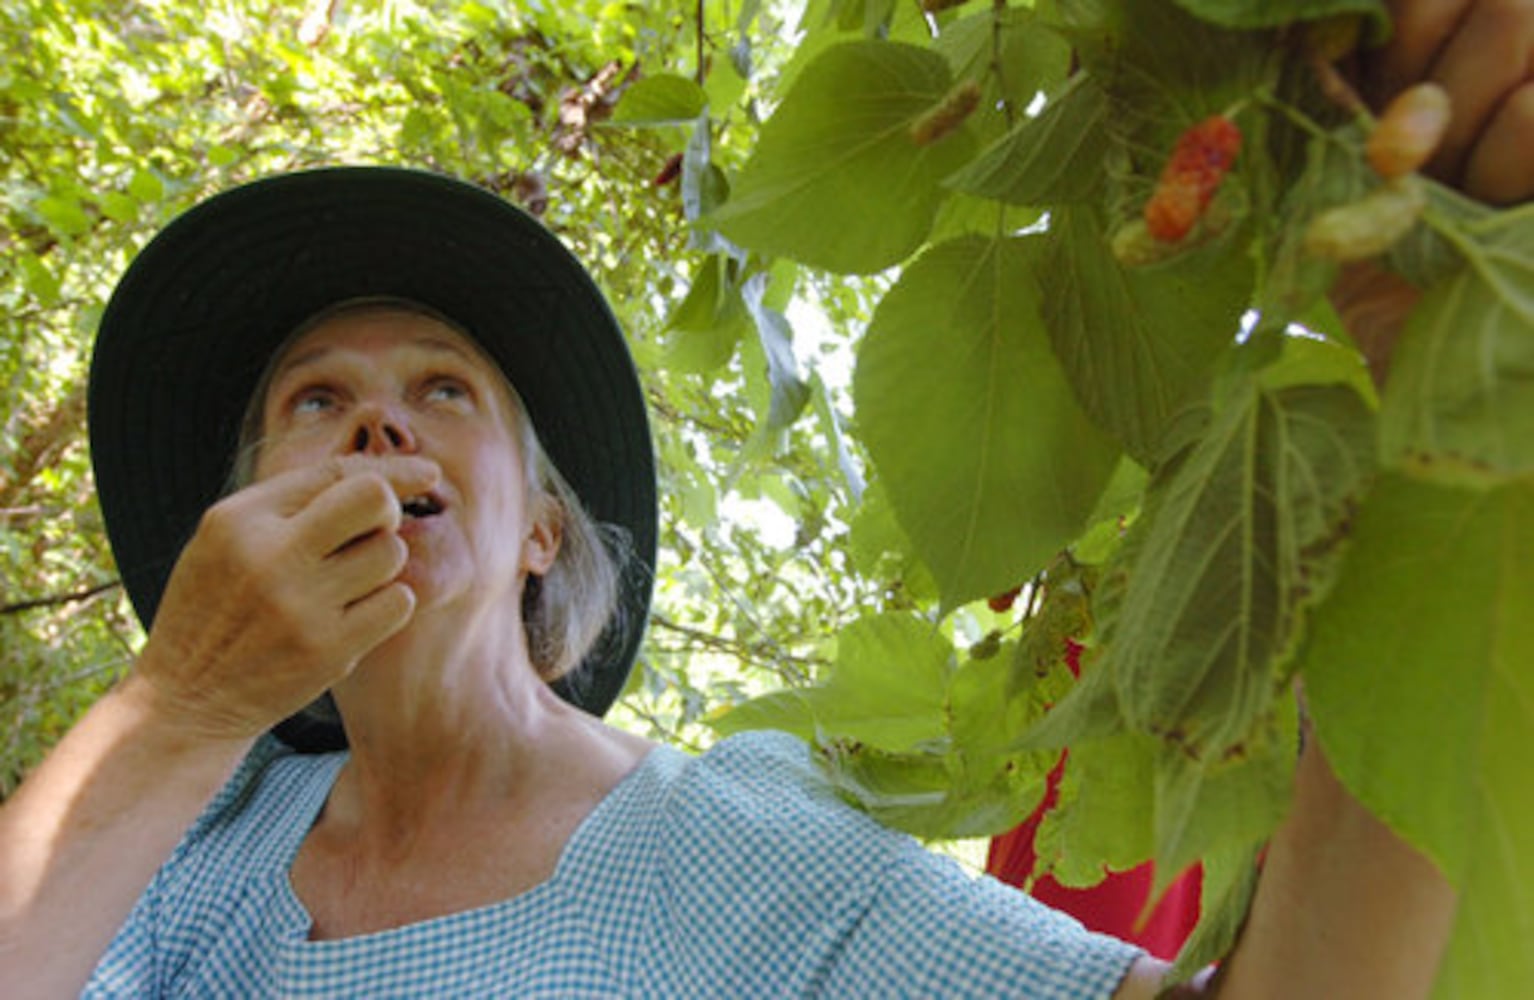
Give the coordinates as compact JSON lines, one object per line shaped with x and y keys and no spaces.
{"x":1482,"y":53}
{"x":283,"y":588}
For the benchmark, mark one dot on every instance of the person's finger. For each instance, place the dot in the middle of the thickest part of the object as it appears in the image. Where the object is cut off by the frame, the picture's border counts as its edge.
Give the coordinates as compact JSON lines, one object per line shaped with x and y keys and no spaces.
{"x":1500,"y":169}
{"x":1420,"y":31}
{"x":374,"y":618}
{"x":1487,"y":60}
{"x":290,"y":492}
{"x":358,"y":570}
{"x":353,"y":508}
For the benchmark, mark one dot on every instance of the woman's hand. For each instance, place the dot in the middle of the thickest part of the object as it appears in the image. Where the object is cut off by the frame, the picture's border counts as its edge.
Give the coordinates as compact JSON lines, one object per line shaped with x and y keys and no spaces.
{"x":283,"y":588}
{"x":1482,"y":53}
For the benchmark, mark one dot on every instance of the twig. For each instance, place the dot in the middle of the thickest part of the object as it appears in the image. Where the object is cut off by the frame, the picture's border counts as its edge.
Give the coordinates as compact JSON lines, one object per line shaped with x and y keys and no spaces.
{"x":54,"y":600}
{"x":702,"y":74}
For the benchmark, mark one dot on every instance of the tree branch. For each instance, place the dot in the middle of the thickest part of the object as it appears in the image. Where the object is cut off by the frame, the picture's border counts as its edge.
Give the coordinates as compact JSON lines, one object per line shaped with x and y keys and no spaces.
{"x":54,"y":600}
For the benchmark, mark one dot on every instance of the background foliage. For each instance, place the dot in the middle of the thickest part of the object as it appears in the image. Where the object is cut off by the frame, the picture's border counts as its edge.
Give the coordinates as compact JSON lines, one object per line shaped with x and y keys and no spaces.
{"x":878,"y":267}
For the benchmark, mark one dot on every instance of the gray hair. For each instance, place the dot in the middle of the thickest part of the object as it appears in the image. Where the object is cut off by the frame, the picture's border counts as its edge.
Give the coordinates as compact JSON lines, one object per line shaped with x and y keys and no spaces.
{"x":568,"y":610}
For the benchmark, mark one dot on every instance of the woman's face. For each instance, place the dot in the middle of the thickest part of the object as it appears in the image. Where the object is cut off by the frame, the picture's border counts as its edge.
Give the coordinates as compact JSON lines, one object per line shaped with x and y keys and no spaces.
{"x":383,"y":381}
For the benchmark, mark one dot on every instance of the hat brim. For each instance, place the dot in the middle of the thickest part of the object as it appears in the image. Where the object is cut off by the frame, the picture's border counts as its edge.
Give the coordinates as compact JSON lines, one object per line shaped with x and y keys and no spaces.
{"x":201,"y":309}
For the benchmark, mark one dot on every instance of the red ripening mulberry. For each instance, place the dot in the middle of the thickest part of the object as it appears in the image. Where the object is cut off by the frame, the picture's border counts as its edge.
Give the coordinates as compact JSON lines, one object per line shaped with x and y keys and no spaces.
{"x":1002,"y":603}
{"x":670,"y":171}
{"x":1192,"y":175}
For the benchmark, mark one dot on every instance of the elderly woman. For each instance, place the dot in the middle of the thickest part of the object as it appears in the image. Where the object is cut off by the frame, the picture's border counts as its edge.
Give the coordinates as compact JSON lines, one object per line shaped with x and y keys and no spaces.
{"x":370,"y":448}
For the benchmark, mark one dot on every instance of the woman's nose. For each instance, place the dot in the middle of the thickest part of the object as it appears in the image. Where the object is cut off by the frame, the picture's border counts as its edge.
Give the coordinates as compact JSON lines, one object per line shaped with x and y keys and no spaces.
{"x":378,"y":430}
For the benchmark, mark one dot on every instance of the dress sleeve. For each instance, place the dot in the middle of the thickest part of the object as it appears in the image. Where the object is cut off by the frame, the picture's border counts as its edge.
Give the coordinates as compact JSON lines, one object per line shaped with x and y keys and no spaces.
{"x":129,"y":969}
{"x":931,"y":930}
{"x":134,"y":964}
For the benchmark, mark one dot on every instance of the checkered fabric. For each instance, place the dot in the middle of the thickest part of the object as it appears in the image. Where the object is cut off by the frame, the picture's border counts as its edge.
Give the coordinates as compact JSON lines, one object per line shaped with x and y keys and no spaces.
{"x":737,"y":873}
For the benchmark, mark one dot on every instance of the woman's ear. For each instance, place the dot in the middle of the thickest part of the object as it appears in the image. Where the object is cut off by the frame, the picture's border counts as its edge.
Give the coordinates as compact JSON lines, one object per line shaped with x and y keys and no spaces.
{"x":541,"y":546}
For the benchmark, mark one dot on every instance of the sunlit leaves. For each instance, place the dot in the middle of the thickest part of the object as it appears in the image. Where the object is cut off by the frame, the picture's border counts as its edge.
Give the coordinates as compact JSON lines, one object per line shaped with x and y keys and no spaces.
{"x":836,"y":180}
{"x":864,"y":699}
{"x":1420,"y":675}
{"x":990,"y":464}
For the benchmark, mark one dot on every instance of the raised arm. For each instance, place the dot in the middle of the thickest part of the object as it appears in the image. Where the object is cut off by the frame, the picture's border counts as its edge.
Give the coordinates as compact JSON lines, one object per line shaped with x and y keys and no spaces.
{"x":284,"y":587}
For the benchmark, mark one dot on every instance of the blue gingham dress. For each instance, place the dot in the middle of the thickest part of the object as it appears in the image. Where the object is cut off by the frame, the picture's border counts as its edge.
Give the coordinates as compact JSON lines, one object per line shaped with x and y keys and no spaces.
{"x":734,"y":874}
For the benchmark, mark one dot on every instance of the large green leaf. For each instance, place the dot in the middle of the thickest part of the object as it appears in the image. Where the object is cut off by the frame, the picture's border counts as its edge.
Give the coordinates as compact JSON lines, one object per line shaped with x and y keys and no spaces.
{"x":837,"y":180}
{"x":1139,"y":344}
{"x":1242,"y":538}
{"x":1461,"y":393}
{"x":1052,"y":159}
{"x":887,"y":689}
{"x":990,"y":464}
{"x":1420,"y":675}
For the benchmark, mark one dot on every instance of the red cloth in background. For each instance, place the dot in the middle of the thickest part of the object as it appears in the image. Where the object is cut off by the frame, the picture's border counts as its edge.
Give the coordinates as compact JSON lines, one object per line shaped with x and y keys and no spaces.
{"x":1111,"y":906}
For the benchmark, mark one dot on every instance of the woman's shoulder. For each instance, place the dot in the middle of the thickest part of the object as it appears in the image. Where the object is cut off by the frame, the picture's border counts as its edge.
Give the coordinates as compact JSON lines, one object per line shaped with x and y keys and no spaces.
{"x":273,"y":792}
{"x":765,"y":788}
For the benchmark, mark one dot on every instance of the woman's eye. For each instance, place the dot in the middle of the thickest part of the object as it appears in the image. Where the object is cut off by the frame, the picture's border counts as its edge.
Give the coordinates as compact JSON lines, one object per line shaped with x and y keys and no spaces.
{"x":313,"y":401}
{"x":446,"y":390}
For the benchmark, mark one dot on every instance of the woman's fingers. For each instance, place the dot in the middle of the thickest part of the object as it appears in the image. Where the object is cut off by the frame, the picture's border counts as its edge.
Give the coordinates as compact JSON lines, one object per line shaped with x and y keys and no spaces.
{"x":1500,"y":168}
{"x":1421,"y":30}
{"x":1483,"y":64}
{"x":362,"y":568}
{"x":368,"y":622}
{"x":290,"y":493}
{"x":345,"y":512}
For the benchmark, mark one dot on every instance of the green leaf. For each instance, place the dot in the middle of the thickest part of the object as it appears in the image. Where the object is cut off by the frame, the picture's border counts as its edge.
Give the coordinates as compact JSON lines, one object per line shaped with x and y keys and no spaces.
{"x":1139,"y":344}
{"x":709,"y":321}
{"x":1102,"y":822}
{"x":1053,"y":159}
{"x":1230,"y":880}
{"x":837,"y":181}
{"x":1204,"y":806}
{"x":881,"y":551}
{"x":831,"y":427}
{"x":930,"y":794}
{"x":662,"y":99}
{"x":1089,"y":712}
{"x":118,"y":207}
{"x":146,"y":186}
{"x":790,"y":393}
{"x":1240,"y":541}
{"x":1011,"y":52}
{"x":1459,"y":400}
{"x":64,"y":214}
{"x":888,"y":689}
{"x":990,"y":464}
{"x":1277,"y":13}
{"x":40,"y":281}
{"x":1420,"y":676}
{"x":1314,"y":360}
